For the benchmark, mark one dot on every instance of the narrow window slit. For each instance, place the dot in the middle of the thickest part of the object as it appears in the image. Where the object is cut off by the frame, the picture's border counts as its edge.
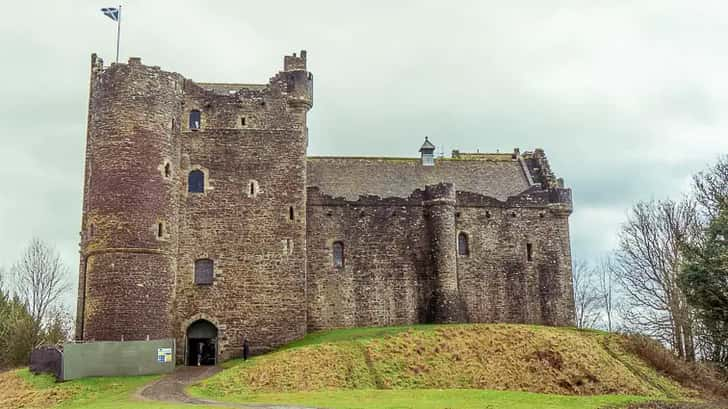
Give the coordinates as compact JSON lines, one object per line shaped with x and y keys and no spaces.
{"x":338,"y":251}
{"x":463,"y":245}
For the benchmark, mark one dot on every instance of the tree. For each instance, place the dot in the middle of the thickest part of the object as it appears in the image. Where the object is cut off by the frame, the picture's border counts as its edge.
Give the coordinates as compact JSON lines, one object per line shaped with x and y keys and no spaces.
{"x":586,"y":296}
{"x":34,"y":314}
{"x":58,"y":328}
{"x":18,"y":331}
{"x":40,"y":278}
{"x":606,"y":290}
{"x":710,"y":187}
{"x":704,"y":280}
{"x":648,"y":262}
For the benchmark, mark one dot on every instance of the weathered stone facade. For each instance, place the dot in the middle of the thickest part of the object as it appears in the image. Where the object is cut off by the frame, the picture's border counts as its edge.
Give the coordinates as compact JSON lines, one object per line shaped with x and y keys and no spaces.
{"x":267,"y":217}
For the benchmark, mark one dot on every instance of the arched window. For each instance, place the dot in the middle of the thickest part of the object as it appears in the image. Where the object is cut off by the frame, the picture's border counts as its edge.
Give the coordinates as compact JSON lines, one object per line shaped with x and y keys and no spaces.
{"x":338,"y":254}
{"x":167,"y":170}
{"x":291,"y":214}
{"x":196,"y":182}
{"x":203,"y":271}
{"x":195,"y":119}
{"x":463,"y":248}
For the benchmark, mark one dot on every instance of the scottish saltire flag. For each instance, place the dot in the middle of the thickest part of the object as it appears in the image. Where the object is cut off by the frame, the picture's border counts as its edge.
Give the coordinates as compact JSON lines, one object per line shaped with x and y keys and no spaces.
{"x":111,"y":12}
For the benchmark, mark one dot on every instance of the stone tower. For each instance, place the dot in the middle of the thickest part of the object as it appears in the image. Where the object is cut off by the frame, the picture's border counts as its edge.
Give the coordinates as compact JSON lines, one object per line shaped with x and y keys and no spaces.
{"x":179,"y":175}
{"x":129,"y":244}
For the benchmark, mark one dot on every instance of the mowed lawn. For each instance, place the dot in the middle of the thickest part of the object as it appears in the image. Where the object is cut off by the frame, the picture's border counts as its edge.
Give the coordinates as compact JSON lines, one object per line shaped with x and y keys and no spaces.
{"x":433,"y":399}
{"x":31,"y":392}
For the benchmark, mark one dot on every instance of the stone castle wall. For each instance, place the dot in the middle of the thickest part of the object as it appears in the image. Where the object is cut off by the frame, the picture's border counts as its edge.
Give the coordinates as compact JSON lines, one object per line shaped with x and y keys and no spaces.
{"x":391,"y":275}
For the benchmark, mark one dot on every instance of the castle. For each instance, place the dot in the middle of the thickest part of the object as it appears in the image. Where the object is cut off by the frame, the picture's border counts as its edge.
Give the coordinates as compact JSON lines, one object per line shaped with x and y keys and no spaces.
{"x":204,"y":220}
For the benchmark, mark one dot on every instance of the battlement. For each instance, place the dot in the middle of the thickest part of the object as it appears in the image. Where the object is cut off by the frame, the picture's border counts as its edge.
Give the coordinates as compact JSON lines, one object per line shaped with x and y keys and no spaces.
{"x":294,"y":63}
{"x":291,"y":63}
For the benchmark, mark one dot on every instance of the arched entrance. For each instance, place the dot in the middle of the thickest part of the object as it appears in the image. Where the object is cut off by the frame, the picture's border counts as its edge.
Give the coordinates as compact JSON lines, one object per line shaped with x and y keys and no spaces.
{"x":201,"y":343}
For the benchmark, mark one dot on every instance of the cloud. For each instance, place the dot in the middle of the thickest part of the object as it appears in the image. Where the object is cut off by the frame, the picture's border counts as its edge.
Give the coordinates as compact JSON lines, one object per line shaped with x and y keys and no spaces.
{"x":625,"y":97}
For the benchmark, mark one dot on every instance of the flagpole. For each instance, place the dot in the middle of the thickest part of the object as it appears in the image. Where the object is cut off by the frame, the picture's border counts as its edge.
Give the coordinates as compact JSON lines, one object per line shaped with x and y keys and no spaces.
{"x":118,"y":34}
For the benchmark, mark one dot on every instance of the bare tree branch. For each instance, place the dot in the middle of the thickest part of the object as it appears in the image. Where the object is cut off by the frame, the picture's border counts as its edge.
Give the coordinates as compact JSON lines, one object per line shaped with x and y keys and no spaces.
{"x":710,"y":187}
{"x":40,"y":278}
{"x":586,"y":295}
{"x":647,"y":265}
{"x":606,"y":271}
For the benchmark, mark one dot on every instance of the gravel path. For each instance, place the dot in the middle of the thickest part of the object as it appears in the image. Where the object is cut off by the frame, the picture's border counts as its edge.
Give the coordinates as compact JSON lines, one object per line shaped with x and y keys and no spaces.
{"x":171,"y":388}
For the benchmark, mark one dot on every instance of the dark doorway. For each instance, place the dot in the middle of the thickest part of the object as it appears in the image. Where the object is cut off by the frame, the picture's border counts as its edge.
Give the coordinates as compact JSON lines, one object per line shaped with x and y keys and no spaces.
{"x":201,"y":343}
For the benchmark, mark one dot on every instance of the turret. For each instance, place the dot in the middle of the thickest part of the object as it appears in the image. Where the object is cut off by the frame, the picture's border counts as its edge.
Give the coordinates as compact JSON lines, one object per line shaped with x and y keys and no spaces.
{"x":427,"y":153}
{"x":128,"y":238}
{"x":445,"y":305}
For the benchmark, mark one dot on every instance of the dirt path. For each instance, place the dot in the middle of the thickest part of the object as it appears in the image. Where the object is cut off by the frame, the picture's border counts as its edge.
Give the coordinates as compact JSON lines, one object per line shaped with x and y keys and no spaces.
{"x":171,"y":388}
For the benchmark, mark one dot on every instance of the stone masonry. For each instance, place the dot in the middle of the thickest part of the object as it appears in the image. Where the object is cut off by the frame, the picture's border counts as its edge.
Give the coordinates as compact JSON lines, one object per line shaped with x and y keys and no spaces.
{"x":471,"y":238}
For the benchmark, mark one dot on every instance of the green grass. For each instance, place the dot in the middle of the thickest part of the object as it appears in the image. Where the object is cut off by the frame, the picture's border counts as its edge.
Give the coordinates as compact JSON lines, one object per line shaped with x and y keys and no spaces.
{"x":431,"y":399}
{"x":353,"y":334}
{"x":376,"y":365}
{"x":98,"y":392}
{"x":117,"y":392}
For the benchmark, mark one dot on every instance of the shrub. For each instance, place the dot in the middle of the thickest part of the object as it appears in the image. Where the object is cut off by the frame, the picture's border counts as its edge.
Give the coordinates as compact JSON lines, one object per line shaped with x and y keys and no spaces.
{"x":689,"y":374}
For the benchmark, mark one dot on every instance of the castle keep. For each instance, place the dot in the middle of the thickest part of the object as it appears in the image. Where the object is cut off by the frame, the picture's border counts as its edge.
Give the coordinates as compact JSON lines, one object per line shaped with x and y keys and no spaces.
{"x":204,"y":220}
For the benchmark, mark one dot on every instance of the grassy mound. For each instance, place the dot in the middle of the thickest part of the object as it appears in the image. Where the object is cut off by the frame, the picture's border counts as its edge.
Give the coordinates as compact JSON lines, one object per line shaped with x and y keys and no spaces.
{"x":17,"y":390}
{"x":486,"y":356}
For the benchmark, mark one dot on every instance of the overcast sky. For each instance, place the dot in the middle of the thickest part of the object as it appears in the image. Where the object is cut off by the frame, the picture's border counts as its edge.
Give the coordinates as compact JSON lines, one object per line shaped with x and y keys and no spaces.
{"x":625,"y":97}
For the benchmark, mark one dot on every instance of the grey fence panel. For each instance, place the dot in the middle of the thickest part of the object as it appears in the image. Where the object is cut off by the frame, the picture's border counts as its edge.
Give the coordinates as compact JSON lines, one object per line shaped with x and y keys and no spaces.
{"x":110,"y":358}
{"x":47,"y":359}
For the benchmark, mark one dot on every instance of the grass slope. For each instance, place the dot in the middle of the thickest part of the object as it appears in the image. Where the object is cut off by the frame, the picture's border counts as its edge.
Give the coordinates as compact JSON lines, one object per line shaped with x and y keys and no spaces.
{"x":435,"y":399}
{"x":428,"y":367}
{"x":445,"y":366}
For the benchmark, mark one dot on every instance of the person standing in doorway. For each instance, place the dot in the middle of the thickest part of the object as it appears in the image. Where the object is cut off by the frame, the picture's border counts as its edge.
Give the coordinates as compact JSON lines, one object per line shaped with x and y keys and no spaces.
{"x":200,"y":349}
{"x":246,"y":349}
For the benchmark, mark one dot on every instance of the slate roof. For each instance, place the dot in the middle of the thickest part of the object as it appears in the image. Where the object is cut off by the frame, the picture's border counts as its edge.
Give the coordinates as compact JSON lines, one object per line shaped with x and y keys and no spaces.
{"x":427,"y":146}
{"x":350,"y":177}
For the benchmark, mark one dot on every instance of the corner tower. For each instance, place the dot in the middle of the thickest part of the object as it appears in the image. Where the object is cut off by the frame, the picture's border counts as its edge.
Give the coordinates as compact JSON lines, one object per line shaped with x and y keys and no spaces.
{"x":128,"y":237}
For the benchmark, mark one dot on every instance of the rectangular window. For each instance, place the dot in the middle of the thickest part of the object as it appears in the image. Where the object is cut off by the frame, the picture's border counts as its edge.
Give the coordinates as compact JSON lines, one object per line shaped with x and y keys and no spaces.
{"x":463,"y":248}
{"x":203,"y":271}
{"x":529,"y":251}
